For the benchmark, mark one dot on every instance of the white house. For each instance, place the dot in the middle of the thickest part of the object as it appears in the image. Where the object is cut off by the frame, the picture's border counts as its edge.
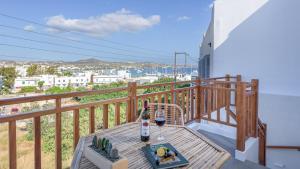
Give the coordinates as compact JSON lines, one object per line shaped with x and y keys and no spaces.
{"x":22,"y":70}
{"x":125,"y":74}
{"x":25,"y":81}
{"x":75,"y":81}
{"x":1,"y":82}
{"x":48,"y":80}
{"x":105,"y":79}
{"x":260,"y":39}
{"x":148,"y":78}
{"x":116,"y":76}
{"x":52,"y":80}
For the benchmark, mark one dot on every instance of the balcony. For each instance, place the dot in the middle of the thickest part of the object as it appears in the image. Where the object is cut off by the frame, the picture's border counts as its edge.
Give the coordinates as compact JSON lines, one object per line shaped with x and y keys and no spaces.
{"x":224,"y":100}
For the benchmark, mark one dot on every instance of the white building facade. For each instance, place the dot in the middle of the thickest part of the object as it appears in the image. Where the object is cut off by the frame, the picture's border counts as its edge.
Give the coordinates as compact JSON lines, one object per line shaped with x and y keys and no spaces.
{"x":106,"y":79}
{"x":52,"y":80}
{"x":260,"y":39}
{"x":1,"y":82}
{"x":25,"y":81}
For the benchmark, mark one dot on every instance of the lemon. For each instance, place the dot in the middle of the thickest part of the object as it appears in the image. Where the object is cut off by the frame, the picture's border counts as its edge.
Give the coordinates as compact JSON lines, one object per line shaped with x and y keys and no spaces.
{"x":161,"y":151}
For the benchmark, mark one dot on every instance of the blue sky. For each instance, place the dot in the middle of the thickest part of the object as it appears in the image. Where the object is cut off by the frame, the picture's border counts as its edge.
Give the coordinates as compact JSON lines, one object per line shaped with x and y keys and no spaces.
{"x":165,"y":26}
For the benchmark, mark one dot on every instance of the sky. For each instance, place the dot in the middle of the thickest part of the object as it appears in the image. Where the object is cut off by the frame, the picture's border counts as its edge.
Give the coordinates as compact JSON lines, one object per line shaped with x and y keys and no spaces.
{"x":127,"y":30}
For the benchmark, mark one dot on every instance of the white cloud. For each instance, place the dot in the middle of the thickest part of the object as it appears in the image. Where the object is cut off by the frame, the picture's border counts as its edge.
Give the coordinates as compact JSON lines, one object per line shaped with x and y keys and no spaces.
{"x":122,"y":20}
{"x":29,"y":28}
{"x":182,"y":18}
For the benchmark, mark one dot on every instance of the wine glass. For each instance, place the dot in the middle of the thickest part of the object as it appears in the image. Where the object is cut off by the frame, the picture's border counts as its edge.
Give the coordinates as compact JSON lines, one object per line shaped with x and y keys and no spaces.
{"x":160,"y":121}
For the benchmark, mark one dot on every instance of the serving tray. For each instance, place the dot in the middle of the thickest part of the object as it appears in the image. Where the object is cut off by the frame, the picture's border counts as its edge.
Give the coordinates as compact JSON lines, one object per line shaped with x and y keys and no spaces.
{"x":179,"y":160}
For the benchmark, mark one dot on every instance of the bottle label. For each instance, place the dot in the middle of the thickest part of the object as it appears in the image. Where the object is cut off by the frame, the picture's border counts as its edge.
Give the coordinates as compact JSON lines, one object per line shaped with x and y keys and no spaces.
{"x":145,"y":128}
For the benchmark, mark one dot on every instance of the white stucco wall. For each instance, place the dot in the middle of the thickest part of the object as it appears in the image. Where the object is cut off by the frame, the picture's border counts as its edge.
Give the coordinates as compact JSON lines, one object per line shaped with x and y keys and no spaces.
{"x":251,"y":151}
{"x":205,"y":49}
{"x":260,"y":39}
{"x":282,"y":115}
{"x":265,"y":45}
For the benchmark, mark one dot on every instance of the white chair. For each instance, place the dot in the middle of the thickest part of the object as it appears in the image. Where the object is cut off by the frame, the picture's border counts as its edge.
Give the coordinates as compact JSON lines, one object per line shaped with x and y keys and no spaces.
{"x":173,"y":113}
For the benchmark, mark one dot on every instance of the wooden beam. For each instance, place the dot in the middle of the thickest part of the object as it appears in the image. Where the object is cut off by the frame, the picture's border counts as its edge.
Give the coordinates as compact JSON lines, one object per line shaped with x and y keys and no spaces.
{"x":132,"y":88}
{"x":187,"y":106}
{"x":238,"y":79}
{"x":75,"y":127}
{"x":12,"y":144}
{"x":209,"y":99}
{"x":262,"y":144}
{"x":284,"y":147}
{"x":117,"y":113}
{"x":92,"y":119}
{"x":105,"y":116}
{"x":198,"y":99}
{"x":254,"y":88}
{"x":173,"y":95}
{"x":18,"y":100}
{"x":240,"y":110}
{"x":128,"y":111}
{"x":159,"y":101}
{"x":37,"y":143}
{"x":58,"y":158}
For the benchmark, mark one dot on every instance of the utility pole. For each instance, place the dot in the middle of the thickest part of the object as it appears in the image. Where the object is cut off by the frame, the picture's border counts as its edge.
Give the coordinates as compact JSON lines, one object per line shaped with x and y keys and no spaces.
{"x":175,"y":68}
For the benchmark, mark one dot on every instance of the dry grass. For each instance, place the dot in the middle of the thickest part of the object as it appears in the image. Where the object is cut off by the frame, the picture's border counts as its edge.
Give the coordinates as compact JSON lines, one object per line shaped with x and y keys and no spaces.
{"x":25,"y":152}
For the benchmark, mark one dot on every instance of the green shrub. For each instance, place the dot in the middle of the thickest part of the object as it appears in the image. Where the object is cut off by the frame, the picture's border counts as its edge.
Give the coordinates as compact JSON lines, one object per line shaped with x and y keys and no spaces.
{"x":28,"y":89}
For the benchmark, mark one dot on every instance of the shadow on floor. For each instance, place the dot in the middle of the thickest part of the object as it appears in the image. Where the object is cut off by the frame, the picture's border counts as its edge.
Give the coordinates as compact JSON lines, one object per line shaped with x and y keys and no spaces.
{"x":229,"y":145}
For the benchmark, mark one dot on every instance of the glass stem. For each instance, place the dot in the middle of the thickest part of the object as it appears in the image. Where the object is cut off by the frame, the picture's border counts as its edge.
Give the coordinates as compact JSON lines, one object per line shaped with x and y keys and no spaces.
{"x":160,"y":132}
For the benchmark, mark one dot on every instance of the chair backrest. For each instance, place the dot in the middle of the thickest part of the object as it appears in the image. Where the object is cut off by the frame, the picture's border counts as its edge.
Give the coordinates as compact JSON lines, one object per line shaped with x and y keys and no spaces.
{"x":173,"y":113}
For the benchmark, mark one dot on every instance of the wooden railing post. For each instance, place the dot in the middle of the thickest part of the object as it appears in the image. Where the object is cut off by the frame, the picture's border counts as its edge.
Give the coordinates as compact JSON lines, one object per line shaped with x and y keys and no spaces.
{"x":117,"y":113}
{"x":227,"y":97}
{"x":37,"y":142}
{"x":240,"y":117}
{"x":92,"y":119}
{"x":58,"y":159}
{"x":262,"y":144}
{"x":128,"y":107}
{"x":12,"y":144}
{"x":173,"y":101}
{"x":105,"y":116}
{"x":75,"y":127}
{"x":198,"y":99}
{"x":173,"y":94}
{"x":238,"y":79}
{"x":254,"y":89}
{"x":132,"y":101}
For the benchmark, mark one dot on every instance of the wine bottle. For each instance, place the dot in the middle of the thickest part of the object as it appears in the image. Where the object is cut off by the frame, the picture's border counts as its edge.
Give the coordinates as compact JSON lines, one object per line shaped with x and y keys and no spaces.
{"x":145,"y":123}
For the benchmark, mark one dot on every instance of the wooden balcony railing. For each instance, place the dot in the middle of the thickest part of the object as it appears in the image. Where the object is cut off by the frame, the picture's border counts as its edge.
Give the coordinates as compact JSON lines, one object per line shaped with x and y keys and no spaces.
{"x":200,"y":100}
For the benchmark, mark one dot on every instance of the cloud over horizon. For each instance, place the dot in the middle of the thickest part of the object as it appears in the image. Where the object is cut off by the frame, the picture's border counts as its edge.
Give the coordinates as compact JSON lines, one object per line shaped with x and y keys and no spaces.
{"x":119,"y":21}
{"x":182,"y":18}
{"x":29,"y":28}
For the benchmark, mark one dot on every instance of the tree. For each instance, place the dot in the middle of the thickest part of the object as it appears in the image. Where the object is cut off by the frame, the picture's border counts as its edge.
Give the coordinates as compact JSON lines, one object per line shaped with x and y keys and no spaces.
{"x":9,"y":74}
{"x":41,"y":84}
{"x":51,"y":70}
{"x":67,"y":73}
{"x":34,"y":70}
